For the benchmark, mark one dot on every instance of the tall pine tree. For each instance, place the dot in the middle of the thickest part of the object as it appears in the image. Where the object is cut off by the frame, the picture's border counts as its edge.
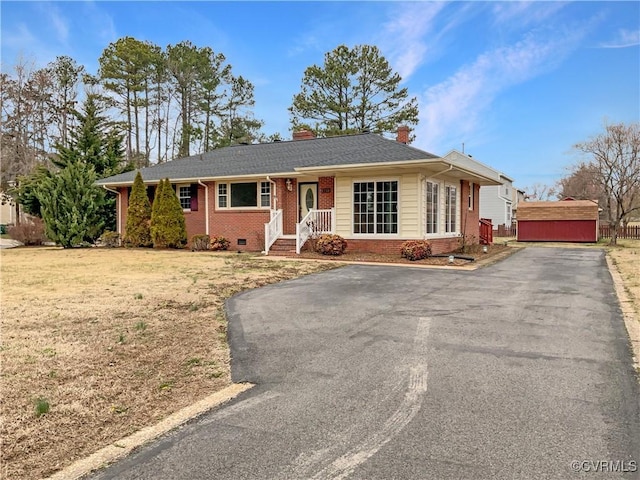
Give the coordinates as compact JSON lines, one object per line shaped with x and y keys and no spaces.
{"x":355,"y":90}
{"x":138,"y":233}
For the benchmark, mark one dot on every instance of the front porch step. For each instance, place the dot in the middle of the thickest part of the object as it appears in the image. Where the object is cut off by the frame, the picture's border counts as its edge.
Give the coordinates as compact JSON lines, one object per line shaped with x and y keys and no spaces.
{"x":284,"y":245}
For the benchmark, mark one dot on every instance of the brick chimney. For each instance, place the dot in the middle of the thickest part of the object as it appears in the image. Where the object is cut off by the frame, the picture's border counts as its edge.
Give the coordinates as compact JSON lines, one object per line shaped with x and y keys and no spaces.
{"x":403,"y":134}
{"x":303,"y":135}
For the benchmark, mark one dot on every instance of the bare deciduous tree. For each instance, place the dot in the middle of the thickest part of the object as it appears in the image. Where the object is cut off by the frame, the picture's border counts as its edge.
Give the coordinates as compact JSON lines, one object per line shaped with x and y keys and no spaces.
{"x":614,"y":158}
{"x":540,"y":192}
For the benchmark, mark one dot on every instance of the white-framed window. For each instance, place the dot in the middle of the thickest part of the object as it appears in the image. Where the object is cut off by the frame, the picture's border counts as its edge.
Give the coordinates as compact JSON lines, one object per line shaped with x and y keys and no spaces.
{"x":222,"y":195}
{"x":451,"y":200}
{"x":508,"y":214}
{"x":244,"y":195}
{"x":375,"y":207}
{"x":265,"y":194}
{"x":471,"y":196}
{"x":432,"y":207}
{"x":184,"y":195}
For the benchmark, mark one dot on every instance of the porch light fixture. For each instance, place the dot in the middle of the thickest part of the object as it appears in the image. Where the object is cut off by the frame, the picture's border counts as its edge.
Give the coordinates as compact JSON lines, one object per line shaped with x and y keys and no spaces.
{"x":289,"y":185}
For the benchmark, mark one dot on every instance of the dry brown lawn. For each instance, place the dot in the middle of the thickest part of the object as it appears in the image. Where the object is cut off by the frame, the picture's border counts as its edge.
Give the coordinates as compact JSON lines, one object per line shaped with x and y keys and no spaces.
{"x":112,"y":340}
{"x":626,"y":257}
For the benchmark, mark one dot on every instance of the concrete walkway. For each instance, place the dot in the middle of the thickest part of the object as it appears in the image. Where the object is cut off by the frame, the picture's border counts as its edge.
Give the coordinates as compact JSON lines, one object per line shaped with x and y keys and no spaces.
{"x":9,"y":243}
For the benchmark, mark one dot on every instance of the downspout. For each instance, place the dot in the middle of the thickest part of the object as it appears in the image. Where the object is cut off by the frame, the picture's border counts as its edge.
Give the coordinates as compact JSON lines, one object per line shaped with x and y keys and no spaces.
{"x":119,"y":224}
{"x":275,"y":192}
{"x":444,"y":171}
{"x":206,"y":206}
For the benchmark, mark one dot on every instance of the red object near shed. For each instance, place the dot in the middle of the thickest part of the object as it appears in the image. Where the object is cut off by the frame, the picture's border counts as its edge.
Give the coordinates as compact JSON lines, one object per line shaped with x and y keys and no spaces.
{"x":563,"y":221}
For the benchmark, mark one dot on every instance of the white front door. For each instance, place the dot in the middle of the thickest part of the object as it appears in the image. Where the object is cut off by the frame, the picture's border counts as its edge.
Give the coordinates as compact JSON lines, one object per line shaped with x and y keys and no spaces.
{"x":308,"y":198}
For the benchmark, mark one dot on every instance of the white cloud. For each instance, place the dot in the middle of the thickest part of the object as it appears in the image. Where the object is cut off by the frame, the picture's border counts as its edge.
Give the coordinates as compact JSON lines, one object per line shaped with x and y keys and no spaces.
{"x":59,"y":24}
{"x":97,"y":21}
{"x":418,"y":33}
{"x":624,"y":38}
{"x":405,"y":36}
{"x":520,"y":14}
{"x":454,"y":108}
{"x":19,"y":41}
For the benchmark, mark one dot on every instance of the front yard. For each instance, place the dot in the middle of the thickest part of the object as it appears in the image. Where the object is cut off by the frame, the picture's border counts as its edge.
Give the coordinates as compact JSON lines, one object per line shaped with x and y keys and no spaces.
{"x":98,"y":343}
{"x":626,"y":257}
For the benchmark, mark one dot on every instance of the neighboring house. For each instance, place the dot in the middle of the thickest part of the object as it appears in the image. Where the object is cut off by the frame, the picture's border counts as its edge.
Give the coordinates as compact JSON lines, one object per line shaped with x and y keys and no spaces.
{"x":496,"y":202}
{"x":518,"y":196}
{"x":562,"y":221}
{"x":374,"y":192}
{"x":8,"y":210}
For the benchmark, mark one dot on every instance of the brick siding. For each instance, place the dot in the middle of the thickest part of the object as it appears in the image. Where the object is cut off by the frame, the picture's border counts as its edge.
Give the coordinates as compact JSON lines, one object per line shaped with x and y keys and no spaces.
{"x":249,"y":224}
{"x":392,"y":247}
{"x":470,"y":219}
{"x":326,"y":186}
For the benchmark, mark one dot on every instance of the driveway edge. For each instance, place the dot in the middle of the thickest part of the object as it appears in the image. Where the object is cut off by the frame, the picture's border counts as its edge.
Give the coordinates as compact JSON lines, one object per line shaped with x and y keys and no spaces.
{"x":628,"y":313}
{"x":125,"y":446}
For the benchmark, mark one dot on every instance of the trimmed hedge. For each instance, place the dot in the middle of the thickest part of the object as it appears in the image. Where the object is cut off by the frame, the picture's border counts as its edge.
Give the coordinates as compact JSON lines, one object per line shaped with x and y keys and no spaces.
{"x":415,"y":250}
{"x":331,"y":245}
{"x":110,"y":239}
{"x":200,"y":243}
{"x":218,"y":242}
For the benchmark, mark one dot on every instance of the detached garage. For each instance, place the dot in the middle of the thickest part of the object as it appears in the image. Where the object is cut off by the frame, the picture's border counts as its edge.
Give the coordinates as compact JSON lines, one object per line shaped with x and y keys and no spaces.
{"x":564,"y":221}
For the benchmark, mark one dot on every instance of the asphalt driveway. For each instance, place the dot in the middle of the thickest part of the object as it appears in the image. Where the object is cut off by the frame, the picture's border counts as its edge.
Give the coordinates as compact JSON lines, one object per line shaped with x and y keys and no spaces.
{"x":518,"y":370}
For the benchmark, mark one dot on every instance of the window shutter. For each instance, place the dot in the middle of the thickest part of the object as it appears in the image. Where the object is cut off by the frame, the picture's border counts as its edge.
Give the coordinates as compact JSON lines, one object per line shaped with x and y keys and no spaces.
{"x":194,"y":197}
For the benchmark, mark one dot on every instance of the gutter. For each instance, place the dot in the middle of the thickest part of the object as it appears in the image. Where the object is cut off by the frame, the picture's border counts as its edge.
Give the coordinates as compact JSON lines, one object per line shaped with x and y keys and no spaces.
{"x":221,"y":178}
{"x":444,"y":171}
{"x":119,"y":223}
{"x":206,"y":206}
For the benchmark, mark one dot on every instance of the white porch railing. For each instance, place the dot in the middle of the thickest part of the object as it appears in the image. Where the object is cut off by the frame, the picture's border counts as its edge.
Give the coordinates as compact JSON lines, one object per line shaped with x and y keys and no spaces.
{"x":272,"y":230}
{"x":316,"y":222}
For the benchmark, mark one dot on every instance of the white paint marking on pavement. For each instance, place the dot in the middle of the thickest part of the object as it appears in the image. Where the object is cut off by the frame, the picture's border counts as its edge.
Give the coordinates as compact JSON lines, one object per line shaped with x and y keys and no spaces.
{"x":240,"y":406}
{"x":346,"y":464}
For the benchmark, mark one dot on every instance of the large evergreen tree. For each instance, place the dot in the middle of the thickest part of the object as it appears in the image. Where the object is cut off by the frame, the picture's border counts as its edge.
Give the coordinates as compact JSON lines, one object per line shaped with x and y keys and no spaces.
{"x":138,"y":233}
{"x":168,"y":228}
{"x":70,"y":205}
{"x":96,"y":142}
{"x":27,"y":190}
{"x":354,"y":91}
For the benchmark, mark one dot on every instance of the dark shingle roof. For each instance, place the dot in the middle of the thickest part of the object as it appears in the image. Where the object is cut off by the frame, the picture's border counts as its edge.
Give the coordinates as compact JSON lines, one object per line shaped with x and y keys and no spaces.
{"x":279,"y":158}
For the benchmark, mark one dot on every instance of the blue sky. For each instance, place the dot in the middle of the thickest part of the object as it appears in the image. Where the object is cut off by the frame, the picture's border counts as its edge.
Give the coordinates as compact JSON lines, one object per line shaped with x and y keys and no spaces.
{"x":518,"y":82}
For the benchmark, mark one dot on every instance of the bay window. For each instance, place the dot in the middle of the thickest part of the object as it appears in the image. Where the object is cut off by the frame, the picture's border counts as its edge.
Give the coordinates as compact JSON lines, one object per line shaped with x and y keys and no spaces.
{"x":432,"y":207}
{"x":451,"y":196}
